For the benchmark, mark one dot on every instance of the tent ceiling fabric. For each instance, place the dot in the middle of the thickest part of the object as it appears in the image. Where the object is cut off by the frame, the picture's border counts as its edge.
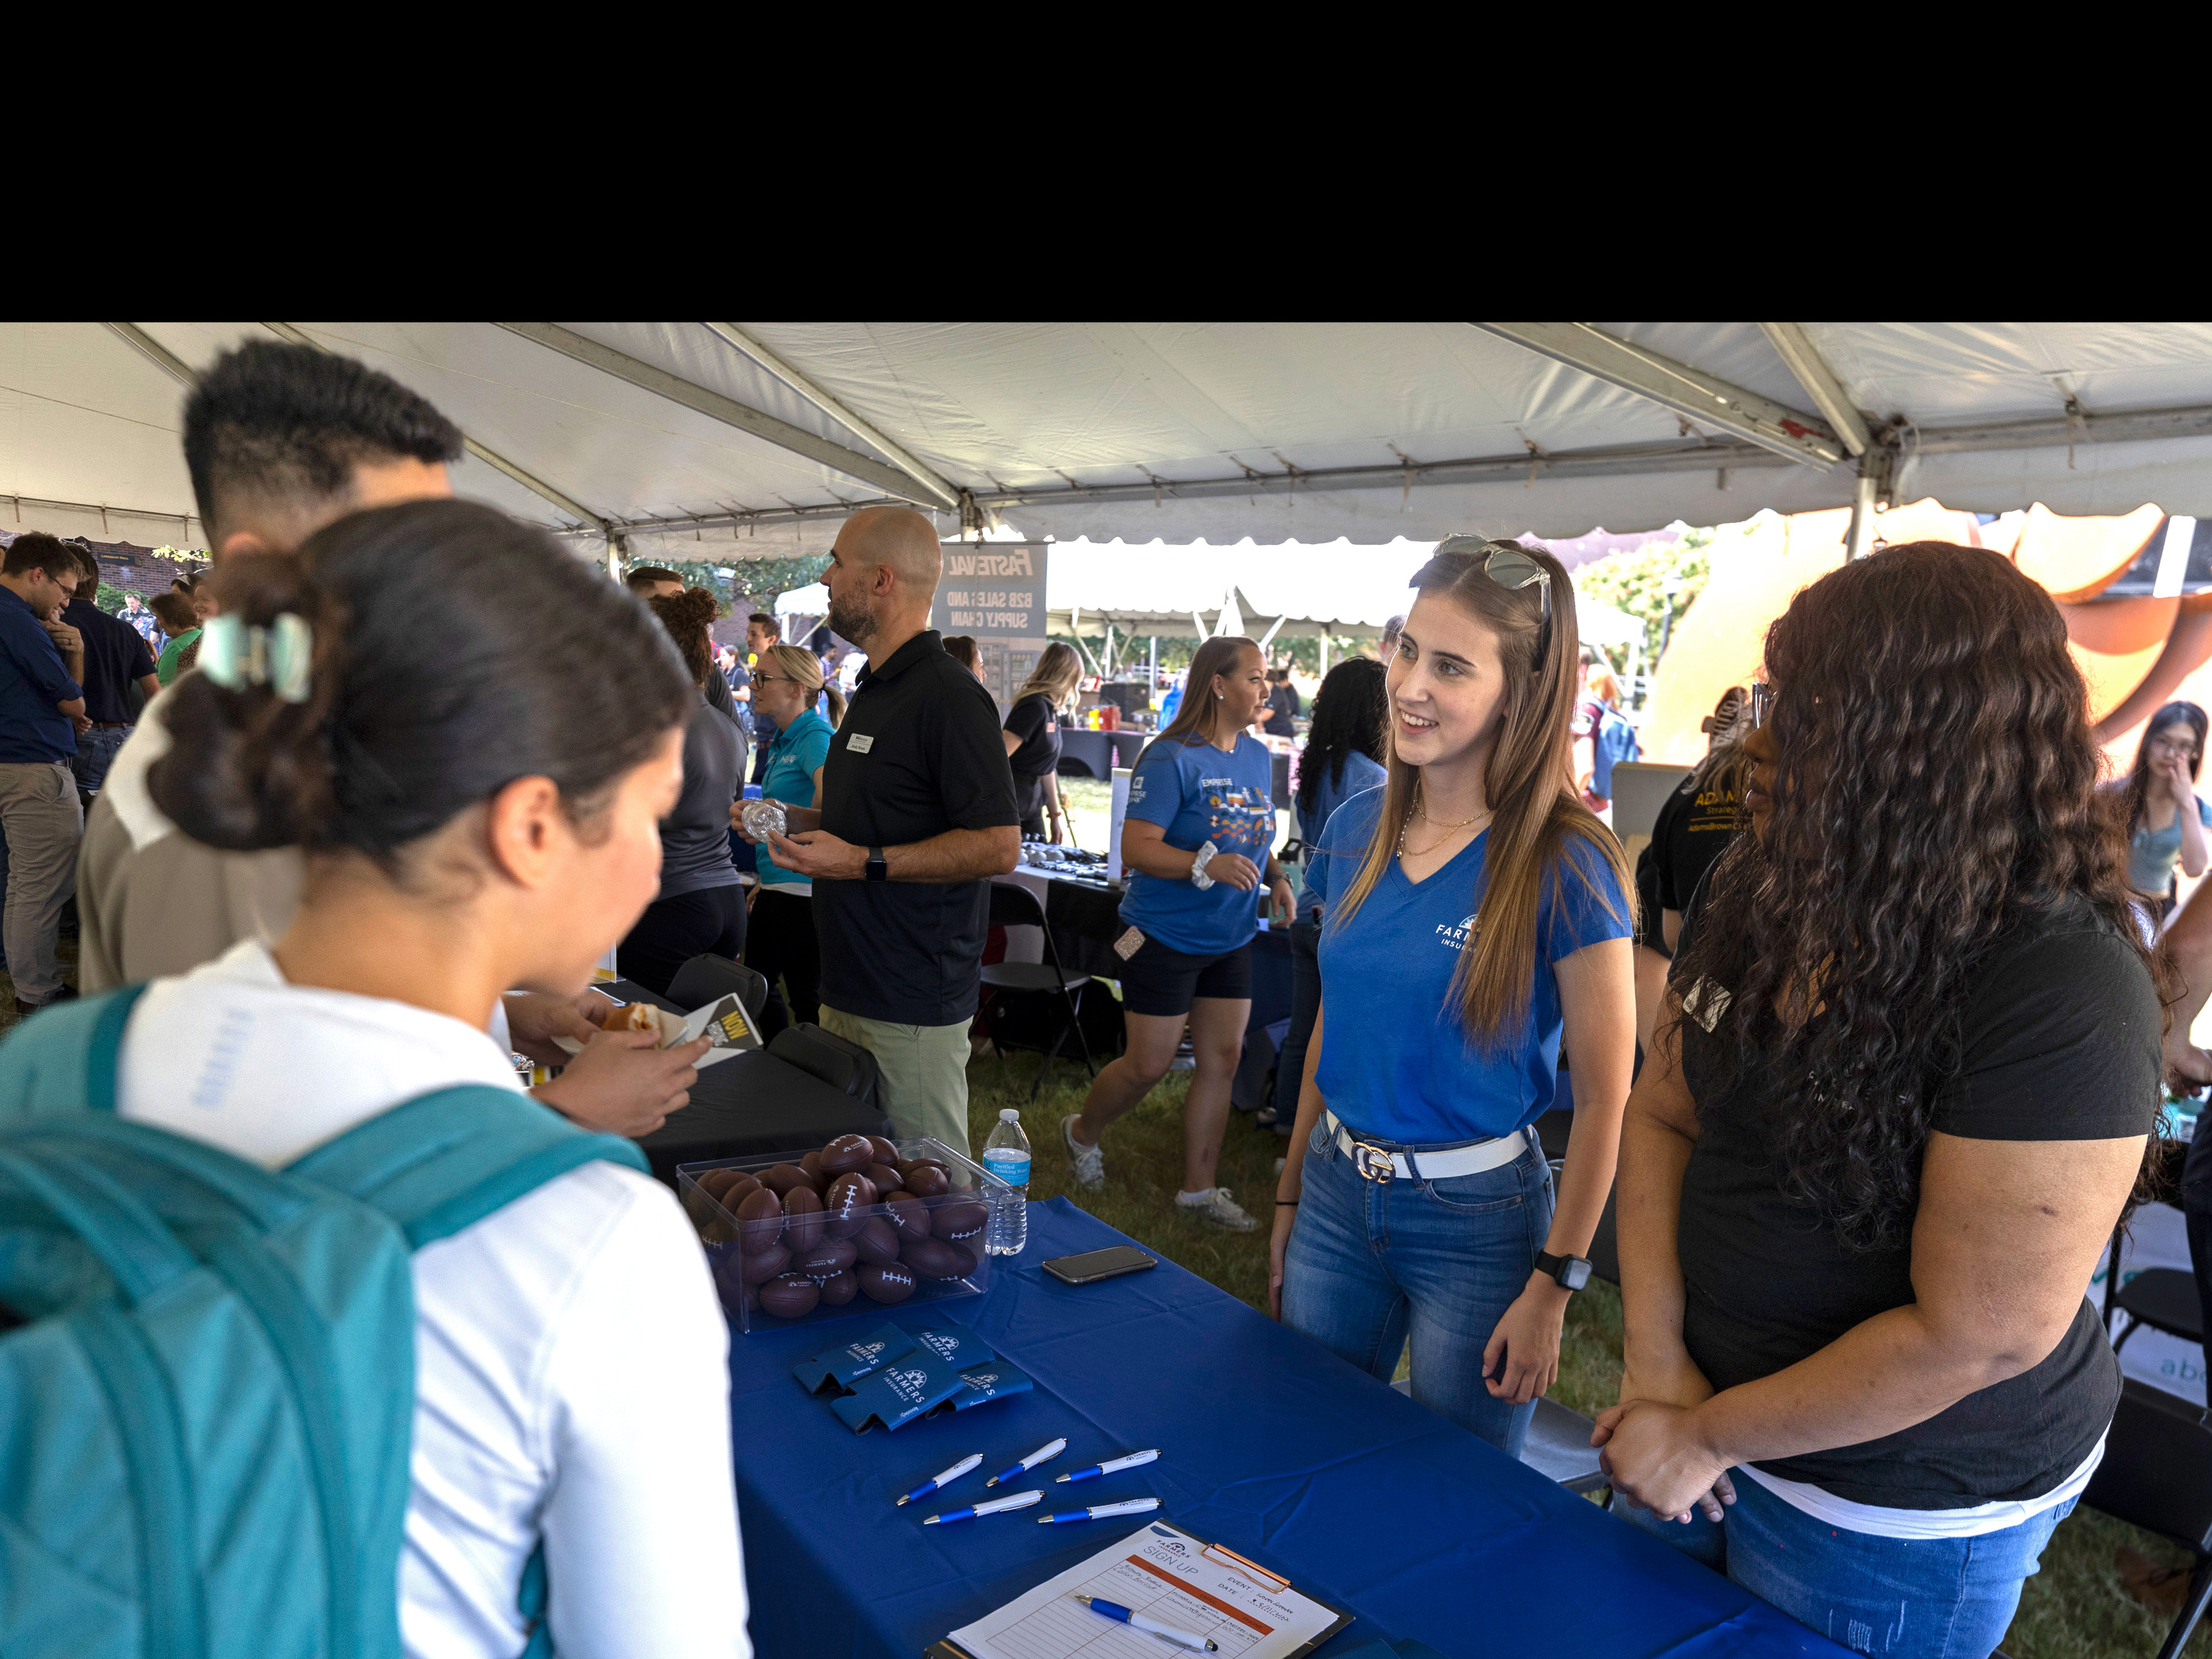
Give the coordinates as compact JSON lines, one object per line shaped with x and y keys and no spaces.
{"x":1027,"y":417}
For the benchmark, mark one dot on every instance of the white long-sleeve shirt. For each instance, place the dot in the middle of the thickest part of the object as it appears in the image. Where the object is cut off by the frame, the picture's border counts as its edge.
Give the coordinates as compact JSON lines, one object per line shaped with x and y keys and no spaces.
{"x":572,"y":1375}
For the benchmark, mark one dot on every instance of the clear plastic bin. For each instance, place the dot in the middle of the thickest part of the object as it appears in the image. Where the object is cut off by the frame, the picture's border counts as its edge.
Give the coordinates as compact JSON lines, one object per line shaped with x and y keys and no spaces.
{"x":741,"y":1253}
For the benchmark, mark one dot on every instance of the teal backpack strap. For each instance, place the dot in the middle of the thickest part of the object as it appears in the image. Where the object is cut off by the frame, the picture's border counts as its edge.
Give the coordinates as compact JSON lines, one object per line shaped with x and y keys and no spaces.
{"x":63,"y":1057}
{"x":446,"y":1160}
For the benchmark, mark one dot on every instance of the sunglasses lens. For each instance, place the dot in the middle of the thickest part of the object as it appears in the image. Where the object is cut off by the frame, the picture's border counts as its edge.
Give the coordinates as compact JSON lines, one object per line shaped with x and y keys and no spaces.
{"x":1762,"y":702}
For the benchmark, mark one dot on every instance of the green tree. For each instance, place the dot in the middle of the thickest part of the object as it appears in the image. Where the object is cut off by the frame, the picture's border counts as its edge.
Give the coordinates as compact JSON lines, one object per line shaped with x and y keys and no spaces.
{"x":1636,"y":582}
{"x":746,"y":584}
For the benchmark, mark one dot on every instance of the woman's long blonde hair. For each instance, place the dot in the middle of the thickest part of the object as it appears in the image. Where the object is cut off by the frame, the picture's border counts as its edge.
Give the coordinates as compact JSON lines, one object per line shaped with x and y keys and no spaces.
{"x":1196,"y":714}
{"x":801,"y":665}
{"x":1058,"y":671}
{"x":1538,"y":828}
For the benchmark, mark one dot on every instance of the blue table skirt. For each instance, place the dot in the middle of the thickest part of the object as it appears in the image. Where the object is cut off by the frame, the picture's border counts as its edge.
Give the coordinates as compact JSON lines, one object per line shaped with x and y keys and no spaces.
{"x":1268,"y":1445}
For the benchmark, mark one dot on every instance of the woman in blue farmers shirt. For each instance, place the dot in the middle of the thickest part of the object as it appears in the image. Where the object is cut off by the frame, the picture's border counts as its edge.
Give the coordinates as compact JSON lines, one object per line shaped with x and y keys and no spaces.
{"x":1477,"y":920}
{"x":1200,"y":821}
{"x":780,"y":941}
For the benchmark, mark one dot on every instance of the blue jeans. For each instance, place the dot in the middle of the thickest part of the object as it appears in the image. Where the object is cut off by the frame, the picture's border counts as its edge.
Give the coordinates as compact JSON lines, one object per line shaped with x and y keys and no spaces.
{"x":95,"y":753}
{"x":1902,"y":1598}
{"x":1368,"y":1262}
{"x":1305,"y":1008}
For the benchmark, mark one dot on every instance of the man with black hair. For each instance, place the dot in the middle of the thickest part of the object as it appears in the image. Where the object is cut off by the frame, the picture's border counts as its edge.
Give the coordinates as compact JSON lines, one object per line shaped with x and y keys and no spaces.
{"x":281,"y":440}
{"x":115,"y":660}
{"x":41,"y":704}
{"x":653,"y":581}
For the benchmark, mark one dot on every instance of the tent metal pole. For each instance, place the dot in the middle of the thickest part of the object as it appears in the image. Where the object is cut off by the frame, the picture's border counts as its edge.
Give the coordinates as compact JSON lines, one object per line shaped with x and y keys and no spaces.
{"x":1803,"y":359}
{"x":1152,"y":669}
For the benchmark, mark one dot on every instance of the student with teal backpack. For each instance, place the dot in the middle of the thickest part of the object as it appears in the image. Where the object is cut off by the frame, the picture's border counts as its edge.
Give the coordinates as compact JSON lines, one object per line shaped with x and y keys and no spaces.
{"x":333,"y":1343}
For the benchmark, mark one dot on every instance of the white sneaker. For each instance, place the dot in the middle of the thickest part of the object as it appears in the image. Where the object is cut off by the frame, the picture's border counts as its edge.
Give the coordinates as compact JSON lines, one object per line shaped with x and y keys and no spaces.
{"x":1089,"y":1161}
{"x":1216,"y":1208}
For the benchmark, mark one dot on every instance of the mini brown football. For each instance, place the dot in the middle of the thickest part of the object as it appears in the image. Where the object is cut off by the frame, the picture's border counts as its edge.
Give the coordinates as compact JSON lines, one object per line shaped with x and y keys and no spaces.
{"x":812,"y":1165}
{"x":971,"y":1253}
{"x":764,"y":1261}
{"x":849,"y":1195}
{"x":846,"y":1154}
{"x":831,"y":1255}
{"x":909,"y":1217}
{"x":783,"y":1177}
{"x":883,"y":1178}
{"x":877,"y":1241}
{"x":802,"y":1217}
{"x":734,"y":1193}
{"x":884,"y":1281}
{"x":715,"y":1182}
{"x":933,"y":1258}
{"x":792,"y":1296}
{"x":928,"y":1181}
{"x":839,"y":1289}
{"x":908,"y":1165}
{"x":961,"y":1219}
{"x":760,"y":1217}
{"x":885,"y":1152}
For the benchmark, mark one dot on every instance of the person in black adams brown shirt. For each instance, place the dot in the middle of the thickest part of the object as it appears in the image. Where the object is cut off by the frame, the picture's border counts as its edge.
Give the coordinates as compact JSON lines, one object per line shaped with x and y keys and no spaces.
{"x":917,"y":815}
{"x":1900,"y":1094}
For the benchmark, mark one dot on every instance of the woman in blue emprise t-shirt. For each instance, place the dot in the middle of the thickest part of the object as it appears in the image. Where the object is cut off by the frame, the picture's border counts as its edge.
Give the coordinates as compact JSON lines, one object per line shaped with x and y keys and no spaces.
{"x":1196,"y":842}
{"x":1477,"y":919}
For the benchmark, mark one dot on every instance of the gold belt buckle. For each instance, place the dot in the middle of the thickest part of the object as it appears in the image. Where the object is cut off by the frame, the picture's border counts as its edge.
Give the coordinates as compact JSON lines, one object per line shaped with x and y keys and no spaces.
{"x":1372,"y":1162}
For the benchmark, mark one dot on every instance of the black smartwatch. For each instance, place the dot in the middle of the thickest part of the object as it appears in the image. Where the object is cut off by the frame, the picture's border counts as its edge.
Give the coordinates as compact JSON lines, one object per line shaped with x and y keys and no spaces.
{"x":1572,"y":1272}
{"x":880,"y":871}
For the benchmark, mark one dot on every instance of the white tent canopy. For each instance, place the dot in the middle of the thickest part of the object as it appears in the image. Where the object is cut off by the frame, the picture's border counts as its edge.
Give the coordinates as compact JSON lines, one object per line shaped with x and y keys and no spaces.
{"x":732,"y":438}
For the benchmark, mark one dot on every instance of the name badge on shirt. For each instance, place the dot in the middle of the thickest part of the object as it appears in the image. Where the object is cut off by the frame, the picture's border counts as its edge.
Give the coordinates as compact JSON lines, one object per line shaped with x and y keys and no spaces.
{"x":860,"y":743}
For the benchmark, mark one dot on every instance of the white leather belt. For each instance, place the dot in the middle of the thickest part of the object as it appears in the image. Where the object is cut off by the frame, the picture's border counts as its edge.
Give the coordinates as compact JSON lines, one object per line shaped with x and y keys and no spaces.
{"x":1374,"y":1164}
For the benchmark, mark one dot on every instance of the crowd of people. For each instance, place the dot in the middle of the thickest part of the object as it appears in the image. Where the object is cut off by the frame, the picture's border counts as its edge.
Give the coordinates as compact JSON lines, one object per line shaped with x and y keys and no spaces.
{"x":1869,"y":1103}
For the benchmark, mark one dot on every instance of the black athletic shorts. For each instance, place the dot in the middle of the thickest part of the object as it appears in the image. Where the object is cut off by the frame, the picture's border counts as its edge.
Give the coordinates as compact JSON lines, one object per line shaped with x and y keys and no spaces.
{"x":1159,"y":979}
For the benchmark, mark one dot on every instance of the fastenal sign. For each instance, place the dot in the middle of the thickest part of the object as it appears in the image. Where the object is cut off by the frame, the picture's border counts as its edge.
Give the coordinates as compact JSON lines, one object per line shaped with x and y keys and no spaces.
{"x":993,"y":592}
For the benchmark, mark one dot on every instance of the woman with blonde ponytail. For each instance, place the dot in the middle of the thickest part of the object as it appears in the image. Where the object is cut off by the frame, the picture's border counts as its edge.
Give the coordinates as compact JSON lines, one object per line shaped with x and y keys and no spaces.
{"x":1477,"y":920}
{"x":780,"y":940}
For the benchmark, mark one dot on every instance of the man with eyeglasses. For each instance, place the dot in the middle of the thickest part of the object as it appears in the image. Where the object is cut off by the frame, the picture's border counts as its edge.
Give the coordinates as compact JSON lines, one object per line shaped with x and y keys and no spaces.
{"x":41,"y":711}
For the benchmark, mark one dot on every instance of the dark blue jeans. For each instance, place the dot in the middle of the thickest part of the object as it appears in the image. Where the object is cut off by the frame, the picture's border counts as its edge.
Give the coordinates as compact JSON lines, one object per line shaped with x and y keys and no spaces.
{"x":1902,"y":1598}
{"x":1305,"y":1007}
{"x":1370,"y":1262}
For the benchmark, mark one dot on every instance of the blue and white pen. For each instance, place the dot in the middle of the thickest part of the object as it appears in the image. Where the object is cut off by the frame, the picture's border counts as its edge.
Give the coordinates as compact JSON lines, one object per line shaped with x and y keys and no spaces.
{"x":1135,"y":1620}
{"x":1043,"y":1454}
{"x":1112,"y":1464}
{"x":1020,"y":1500}
{"x":1100,"y":1511}
{"x":946,"y":1479}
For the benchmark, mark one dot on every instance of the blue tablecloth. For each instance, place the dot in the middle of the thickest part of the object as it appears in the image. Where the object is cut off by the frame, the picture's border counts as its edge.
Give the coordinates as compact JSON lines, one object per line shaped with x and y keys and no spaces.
{"x":1268,"y":1445}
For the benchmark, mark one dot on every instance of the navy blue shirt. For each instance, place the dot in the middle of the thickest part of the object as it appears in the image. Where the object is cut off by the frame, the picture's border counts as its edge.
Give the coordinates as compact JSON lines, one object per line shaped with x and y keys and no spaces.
{"x":32,"y":681}
{"x":1395,"y":1061}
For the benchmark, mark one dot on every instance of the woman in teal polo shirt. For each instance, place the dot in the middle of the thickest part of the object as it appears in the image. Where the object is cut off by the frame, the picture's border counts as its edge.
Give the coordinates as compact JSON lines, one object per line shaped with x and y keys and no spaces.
{"x":780,"y":941}
{"x":1478,"y":921}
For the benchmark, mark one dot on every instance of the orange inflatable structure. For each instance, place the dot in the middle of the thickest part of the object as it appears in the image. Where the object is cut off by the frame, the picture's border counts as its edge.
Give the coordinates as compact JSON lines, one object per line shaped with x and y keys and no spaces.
{"x":2136,"y":651}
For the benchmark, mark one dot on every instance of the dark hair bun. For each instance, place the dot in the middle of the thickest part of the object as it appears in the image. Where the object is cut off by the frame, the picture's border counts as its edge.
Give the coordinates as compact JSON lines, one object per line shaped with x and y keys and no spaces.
{"x":246,"y":770}
{"x":455,"y":651}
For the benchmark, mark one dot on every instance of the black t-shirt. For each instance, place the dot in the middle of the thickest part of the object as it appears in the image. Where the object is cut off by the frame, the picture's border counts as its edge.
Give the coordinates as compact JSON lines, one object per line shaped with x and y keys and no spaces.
{"x":115,"y":658}
{"x":2059,"y":1040}
{"x":1693,"y":828}
{"x":1282,"y":708}
{"x":1033,"y":720}
{"x":919,"y":753}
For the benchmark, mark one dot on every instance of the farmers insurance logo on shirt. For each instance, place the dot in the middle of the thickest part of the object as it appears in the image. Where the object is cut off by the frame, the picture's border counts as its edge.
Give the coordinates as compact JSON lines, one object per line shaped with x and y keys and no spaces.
{"x":1454,"y":936}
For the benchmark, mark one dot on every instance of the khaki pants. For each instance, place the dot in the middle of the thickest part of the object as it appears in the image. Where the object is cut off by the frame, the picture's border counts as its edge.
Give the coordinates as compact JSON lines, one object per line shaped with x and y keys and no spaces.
{"x":43,"y":823}
{"x":924,"y":1071}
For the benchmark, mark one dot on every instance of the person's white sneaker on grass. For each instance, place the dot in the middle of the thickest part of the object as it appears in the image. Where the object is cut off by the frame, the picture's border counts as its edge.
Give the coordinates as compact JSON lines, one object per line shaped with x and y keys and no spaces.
{"x":1089,"y":1161}
{"x":1216,"y":1208}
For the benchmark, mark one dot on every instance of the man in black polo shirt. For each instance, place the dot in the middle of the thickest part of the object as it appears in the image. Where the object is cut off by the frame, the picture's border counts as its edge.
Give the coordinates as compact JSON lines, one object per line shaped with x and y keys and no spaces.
{"x":116,"y":658}
{"x":917,"y":816}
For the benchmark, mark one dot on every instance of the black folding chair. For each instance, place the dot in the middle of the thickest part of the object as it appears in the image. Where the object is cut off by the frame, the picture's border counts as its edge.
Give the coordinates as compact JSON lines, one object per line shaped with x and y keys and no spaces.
{"x":2164,"y":1298}
{"x":2157,"y":1474}
{"x":1557,"y":1446}
{"x":1014,"y":906}
{"x":707,"y":976}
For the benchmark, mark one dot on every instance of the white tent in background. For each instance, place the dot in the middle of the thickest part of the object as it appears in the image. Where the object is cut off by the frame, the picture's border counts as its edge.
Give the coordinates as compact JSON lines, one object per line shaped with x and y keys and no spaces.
{"x":730,"y":438}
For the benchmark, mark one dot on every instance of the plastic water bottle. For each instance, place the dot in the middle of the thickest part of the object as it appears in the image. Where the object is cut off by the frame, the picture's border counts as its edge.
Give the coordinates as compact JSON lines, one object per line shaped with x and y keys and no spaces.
{"x":1007,"y":1155}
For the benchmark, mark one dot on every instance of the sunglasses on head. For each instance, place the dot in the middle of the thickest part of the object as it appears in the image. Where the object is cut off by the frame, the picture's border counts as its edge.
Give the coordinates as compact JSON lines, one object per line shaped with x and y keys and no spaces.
{"x":1511,"y":567}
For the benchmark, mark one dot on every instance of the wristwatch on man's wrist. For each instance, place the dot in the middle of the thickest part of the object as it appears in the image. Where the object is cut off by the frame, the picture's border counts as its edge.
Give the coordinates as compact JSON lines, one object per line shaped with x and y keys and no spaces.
{"x":877,"y":869}
{"x":1571,"y":1272}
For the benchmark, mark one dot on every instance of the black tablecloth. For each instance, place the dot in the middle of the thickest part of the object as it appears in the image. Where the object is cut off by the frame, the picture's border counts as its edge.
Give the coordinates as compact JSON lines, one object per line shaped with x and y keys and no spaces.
{"x":750,"y":1104}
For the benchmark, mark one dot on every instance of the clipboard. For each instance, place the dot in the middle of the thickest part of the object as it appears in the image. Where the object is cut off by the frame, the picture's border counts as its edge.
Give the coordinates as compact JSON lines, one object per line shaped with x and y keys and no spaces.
{"x":1123,"y":1551}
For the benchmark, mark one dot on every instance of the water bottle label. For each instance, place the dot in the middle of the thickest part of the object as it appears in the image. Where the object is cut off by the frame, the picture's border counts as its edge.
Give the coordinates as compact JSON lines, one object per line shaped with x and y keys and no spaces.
{"x":1012,"y":1168}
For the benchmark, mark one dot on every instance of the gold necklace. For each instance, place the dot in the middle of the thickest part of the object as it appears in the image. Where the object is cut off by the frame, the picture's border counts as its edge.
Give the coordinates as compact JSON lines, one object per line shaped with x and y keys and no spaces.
{"x":1450,"y":829}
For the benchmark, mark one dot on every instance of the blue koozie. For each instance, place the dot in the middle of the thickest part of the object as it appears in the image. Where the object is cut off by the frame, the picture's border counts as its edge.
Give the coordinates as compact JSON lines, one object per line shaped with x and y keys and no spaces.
{"x":898,"y":1392}
{"x":992,"y":1382}
{"x":833,"y":1369}
{"x":956,"y":1345}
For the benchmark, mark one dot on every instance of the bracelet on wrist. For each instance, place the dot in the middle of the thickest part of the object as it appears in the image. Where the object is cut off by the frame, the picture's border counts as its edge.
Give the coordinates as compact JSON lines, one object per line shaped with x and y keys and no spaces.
{"x":1286,"y":1204}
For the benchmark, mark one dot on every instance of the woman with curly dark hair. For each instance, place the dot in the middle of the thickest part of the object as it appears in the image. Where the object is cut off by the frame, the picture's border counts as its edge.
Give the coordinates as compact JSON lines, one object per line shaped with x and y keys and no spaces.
{"x":1901,"y":1092}
{"x":700,"y":907}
